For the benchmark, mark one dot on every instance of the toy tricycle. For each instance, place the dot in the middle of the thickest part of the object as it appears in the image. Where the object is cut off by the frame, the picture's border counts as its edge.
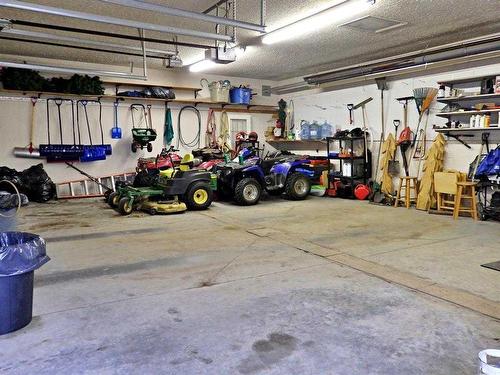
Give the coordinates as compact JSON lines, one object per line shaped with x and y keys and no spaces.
{"x":142,"y":136}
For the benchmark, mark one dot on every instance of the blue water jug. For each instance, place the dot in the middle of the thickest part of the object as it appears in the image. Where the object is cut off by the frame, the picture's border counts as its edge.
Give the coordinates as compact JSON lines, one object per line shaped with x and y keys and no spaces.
{"x":304,"y":130}
{"x":314,"y":131}
{"x":326,"y":130}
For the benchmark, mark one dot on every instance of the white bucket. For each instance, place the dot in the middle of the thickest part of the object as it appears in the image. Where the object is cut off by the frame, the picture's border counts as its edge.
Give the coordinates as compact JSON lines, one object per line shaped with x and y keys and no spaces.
{"x":489,"y":362}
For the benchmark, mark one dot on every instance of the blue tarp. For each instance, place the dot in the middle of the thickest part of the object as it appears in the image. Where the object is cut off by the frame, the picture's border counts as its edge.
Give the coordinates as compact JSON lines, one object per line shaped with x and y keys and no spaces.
{"x":21,"y":252}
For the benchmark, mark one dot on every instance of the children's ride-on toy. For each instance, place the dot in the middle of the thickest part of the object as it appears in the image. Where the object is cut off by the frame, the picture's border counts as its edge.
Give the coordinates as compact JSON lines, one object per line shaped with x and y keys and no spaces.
{"x":142,"y":136}
{"x":288,"y":174}
{"x":182,"y":191}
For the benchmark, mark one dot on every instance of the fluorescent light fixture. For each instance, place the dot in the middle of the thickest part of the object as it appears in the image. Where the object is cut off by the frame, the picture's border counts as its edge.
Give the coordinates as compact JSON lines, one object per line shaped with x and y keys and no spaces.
{"x":202,"y":65}
{"x":330,"y":16}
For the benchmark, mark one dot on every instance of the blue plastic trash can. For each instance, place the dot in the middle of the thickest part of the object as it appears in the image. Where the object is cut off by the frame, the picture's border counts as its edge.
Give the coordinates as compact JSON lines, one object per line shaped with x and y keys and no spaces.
{"x":20,"y":255}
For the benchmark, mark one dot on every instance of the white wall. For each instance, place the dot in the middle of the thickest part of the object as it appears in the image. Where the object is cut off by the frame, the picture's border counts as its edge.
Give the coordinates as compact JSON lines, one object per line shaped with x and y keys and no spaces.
{"x":15,"y":123}
{"x":307,"y":105}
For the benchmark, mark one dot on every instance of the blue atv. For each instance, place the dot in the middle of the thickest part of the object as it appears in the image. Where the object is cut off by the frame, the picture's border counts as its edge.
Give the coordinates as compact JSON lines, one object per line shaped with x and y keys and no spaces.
{"x":288,"y":175}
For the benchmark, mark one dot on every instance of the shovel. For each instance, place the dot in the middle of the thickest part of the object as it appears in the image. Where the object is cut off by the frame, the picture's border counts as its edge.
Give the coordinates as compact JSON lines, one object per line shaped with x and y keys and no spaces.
{"x":116,"y":131}
{"x":394,"y":167}
{"x":29,"y":151}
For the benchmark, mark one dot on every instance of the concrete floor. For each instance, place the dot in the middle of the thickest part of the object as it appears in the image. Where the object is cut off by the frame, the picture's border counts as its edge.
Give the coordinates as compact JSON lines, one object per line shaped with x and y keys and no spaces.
{"x":325,"y":286}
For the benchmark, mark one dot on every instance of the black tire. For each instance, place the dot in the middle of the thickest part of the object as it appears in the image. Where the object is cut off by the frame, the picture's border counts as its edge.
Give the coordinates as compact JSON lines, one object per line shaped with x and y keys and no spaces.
{"x":150,"y":147}
{"x":125,"y":206}
{"x":114,"y":199}
{"x":134,"y":147}
{"x":297,"y":186}
{"x":247,"y":192}
{"x":153,"y":211}
{"x":199,"y":196}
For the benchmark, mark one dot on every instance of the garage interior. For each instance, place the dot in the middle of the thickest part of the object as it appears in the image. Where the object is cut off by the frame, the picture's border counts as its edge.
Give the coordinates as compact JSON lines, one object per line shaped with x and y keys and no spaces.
{"x":249,"y":187}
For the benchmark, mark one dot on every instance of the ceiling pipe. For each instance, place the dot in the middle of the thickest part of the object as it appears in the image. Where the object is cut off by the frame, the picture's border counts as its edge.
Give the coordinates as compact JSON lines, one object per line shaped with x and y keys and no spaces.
{"x":187,"y":14}
{"x":35,"y":37}
{"x":56,"y":69}
{"x":467,"y":48}
{"x":15,"y":4}
{"x":108,"y":34}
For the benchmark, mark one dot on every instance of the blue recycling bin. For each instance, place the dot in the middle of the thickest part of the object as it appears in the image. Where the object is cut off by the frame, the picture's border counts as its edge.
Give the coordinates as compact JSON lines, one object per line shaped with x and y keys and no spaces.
{"x":20,"y":255}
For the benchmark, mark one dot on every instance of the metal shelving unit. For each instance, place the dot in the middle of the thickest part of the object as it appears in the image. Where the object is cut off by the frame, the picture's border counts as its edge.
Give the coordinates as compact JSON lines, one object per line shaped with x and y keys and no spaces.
{"x":358,"y":162}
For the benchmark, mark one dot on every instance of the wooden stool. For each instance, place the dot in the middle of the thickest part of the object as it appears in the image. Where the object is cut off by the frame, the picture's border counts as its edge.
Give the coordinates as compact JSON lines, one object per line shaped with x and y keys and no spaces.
{"x":464,"y":188}
{"x":407,"y":184}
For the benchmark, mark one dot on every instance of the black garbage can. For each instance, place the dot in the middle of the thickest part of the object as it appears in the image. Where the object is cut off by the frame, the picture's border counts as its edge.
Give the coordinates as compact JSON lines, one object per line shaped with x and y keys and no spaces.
{"x":20,"y":255}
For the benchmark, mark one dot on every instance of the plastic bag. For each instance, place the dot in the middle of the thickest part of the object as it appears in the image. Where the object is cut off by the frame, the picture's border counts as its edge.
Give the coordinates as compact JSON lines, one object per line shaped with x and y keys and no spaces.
{"x":37,"y":185}
{"x":21,"y":252}
{"x":8,"y":200}
{"x":490,"y":164}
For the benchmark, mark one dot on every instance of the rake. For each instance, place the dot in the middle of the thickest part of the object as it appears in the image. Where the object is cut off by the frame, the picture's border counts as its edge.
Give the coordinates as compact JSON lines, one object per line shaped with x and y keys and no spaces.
{"x":423,"y":99}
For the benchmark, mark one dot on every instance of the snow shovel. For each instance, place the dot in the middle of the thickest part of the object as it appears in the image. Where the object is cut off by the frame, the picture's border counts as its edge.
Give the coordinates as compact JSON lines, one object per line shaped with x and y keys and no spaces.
{"x":394,"y":167}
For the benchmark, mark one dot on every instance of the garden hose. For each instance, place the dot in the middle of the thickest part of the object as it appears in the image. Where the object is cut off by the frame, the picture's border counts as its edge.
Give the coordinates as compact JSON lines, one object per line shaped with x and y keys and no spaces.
{"x":180,"y":139}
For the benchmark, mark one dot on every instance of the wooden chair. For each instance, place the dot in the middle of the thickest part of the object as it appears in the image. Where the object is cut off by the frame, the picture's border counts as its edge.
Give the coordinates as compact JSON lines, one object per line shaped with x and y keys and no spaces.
{"x":450,"y":194}
{"x":445,"y":185}
{"x":466,"y":190}
{"x":407,"y":185}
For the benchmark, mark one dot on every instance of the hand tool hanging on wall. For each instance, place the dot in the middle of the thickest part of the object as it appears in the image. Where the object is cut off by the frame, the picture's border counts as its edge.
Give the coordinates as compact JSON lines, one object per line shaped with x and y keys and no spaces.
{"x":30,"y":151}
{"x":405,"y":137}
{"x":116,"y":131}
{"x":423,"y":100}
{"x":394,"y":167}
{"x":382,"y":86}
{"x":142,"y":137}
{"x":211,"y":131}
{"x":224,"y":133}
{"x":91,"y":152}
{"x":351,"y":116}
{"x":168,"y":130}
{"x":362,"y":105}
{"x":60,"y":152}
{"x":195,"y":142}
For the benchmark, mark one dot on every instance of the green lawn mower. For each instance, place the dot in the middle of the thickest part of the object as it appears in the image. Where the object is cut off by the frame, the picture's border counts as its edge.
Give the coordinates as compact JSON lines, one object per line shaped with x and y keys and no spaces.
{"x":184,"y":190}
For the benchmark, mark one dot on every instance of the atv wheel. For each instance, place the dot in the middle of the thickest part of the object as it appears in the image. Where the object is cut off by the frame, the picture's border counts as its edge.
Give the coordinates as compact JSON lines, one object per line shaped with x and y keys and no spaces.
{"x":114,"y":199}
{"x":125,"y":206}
{"x":297,"y":186}
{"x":198,"y":196}
{"x":247,"y":192}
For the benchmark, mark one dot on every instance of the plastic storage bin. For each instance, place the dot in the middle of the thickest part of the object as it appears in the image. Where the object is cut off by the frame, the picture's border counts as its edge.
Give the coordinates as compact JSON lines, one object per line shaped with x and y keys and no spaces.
{"x":20,"y":255}
{"x":219,"y":90}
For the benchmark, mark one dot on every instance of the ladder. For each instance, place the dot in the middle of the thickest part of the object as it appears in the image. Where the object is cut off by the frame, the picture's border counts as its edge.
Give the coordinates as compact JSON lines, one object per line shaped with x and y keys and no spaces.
{"x":86,"y":188}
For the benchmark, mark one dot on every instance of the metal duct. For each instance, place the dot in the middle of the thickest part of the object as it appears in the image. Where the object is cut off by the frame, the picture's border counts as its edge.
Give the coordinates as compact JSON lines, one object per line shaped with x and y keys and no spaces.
{"x":460,"y":50}
{"x":15,"y":4}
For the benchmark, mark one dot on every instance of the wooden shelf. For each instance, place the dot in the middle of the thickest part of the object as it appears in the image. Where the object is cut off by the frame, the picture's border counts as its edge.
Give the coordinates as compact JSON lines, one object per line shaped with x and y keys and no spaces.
{"x":218,"y":106}
{"x":144,"y":85}
{"x":299,"y":145}
{"x":466,"y":130}
{"x":468,"y":97}
{"x":466,"y":80}
{"x":446,"y":114}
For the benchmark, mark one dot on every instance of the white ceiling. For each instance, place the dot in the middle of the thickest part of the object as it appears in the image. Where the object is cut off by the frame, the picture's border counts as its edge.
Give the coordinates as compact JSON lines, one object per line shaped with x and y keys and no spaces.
{"x":430,"y":23}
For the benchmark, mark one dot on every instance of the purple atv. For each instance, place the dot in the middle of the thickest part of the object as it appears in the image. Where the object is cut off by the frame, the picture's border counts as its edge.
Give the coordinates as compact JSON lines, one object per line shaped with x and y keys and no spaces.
{"x":287,"y":175}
